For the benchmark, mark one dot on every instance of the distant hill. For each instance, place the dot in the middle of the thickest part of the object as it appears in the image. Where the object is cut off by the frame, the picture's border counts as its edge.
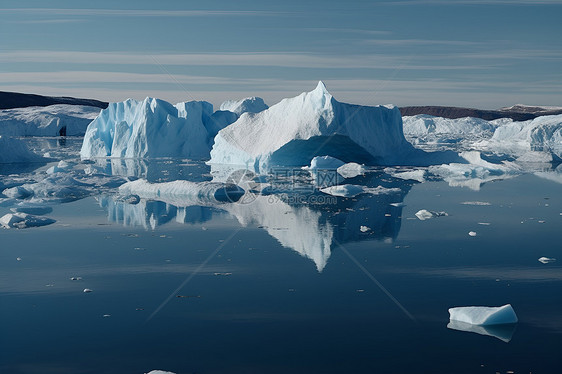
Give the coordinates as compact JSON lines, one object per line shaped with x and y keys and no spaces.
{"x":9,"y":100}
{"x":517,"y":112}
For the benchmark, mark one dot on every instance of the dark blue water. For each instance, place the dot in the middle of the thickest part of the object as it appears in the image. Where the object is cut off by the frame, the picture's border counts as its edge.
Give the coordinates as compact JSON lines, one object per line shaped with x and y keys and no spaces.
{"x":286,"y":286}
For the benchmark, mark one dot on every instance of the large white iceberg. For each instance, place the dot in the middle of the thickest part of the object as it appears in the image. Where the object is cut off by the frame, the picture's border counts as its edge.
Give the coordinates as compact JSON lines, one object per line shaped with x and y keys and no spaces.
{"x":52,"y":120}
{"x":154,"y":128}
{"x":249,"y":104}
{"x":294,"y":131}
{"x":15,"y":151}
{"x":483,"y":315}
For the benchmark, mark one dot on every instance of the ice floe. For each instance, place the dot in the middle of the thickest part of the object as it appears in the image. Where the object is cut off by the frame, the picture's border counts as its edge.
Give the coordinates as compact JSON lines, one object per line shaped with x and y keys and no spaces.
{"x":483,"y":315}
{"x":351,"y":170}
{"x":184,"y":193}
{"x":351,"y":190}
{"x":23,"y":221}
{"x":546,"y":260}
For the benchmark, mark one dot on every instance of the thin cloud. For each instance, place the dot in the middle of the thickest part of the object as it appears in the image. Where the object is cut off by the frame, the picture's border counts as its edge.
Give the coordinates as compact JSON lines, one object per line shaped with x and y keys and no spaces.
{"x":284,"y":60}
{"x":136,"y":12}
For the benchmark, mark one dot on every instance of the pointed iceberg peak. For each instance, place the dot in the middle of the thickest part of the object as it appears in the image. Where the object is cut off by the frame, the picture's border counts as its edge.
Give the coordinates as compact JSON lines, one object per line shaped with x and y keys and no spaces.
{"x":321,"y":87}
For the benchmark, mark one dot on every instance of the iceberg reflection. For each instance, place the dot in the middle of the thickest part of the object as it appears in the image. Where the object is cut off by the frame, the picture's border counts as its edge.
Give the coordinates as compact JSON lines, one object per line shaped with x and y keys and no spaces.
{"x":308,"y":222}
{"x":502,"y":332}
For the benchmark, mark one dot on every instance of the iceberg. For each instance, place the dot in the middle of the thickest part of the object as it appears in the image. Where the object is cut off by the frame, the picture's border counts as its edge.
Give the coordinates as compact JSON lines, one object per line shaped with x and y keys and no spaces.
{"x":154,"y":128}
{"x":52,"y":120}
{"x":23,"y":221}
{"x":32,"y":208}
{"x":13,"y":150}
{"x":294,"y":131}
{"x":483,"y":315}
{"x":416,"y":175}
{"x":542,"y":134}
{"x":247,"y":105}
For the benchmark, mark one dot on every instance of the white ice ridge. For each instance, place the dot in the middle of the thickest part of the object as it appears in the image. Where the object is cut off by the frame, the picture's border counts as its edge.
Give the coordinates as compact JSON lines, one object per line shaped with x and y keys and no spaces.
{"x":183,"y":193}
{"x":294,"y":131}
{"x":154,"y":128}
{"x":247,"y":105}
{"x":15,"y":151}
{"x":483,"y":315}
{"x":52,"y":120}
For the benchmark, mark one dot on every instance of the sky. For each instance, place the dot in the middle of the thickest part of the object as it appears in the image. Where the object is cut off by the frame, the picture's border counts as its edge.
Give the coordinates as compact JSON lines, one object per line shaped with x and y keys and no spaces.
{"x":470,"y":53}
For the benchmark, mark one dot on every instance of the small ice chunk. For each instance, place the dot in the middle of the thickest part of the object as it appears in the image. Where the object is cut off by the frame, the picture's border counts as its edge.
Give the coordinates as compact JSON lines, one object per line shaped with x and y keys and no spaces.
{"x":483,"y":315}
{"x":426,"y":214}
{"x":160,"y":372}
{"x":546,"y":260}
{"x":364,"y":229}
{"x":344,"y":190}
{"x":472,"y":233}
{"x":351,"y":170}
{"x":416,"y":175}
{"x":87,"y":290}
{"x":398,"y":205}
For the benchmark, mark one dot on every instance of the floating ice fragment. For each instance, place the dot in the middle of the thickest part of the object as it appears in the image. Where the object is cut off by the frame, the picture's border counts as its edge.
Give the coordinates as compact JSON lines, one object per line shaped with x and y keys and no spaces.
{"x":351,"y":170}
{"x":87,"y":290}
{"x":426,"y":214}
{"x":159,"y":372}
{"x":23,"y":221}
{"x":483,"y":315}
{"x":365,"y":229}
{"x":344,"y":190}
{"x":472,"y":233}
{"x":477,"y":203}
{"x":18,"y":258}
{"x":416,"y":175}
{"x":106,"y":315}
{"x":546,"y":260}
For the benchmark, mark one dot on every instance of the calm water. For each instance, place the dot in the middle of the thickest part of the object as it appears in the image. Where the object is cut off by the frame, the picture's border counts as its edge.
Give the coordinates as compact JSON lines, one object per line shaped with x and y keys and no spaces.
{"x":285,"y":285}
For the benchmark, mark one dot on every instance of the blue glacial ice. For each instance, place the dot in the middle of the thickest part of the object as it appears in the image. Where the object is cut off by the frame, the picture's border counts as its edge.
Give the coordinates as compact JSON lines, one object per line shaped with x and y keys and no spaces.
{"x":483,"y":315}
{"x":154,"y":128}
